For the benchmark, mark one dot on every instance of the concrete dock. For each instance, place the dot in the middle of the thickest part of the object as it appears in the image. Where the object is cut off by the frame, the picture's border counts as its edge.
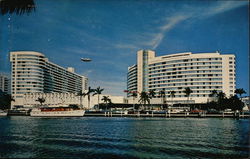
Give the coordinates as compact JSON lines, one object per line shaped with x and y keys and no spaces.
{"x":171,"y":115}
{"x":151,"y":114}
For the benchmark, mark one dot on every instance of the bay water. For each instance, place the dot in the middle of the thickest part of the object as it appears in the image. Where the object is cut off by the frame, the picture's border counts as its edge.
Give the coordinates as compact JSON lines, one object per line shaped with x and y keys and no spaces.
{"x":103,"y":137}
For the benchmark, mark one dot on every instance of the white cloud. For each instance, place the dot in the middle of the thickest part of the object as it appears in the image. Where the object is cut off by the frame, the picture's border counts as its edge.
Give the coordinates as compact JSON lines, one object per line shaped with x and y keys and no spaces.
{"x":193,"y":13}
{"x":170,"y":23}
{"x":125,"y":46}
{"x":86,"y":73}
{"x":223,"y":7}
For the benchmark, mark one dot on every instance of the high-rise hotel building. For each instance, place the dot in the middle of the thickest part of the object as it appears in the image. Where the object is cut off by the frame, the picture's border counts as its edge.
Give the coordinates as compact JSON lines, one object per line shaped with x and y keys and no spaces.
{"x":201,"y":72}
{"x":4,"y":83}
{"x":32,"y":72}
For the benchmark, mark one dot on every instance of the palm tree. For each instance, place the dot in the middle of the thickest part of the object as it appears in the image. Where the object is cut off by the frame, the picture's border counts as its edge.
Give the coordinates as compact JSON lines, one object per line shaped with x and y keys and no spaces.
{"x":106,"y":100}
{"x":187,"y":91}
{"x":88,"y":94}
{"x":240,"y":91}
{"x":16,"y":6}
{"x":98,"y":91}
{"x":221,"y":96}
{"x":144,"y":97}
{"x":5,"y":100}
{"x":134,"y":95}
{"x":151,"y":94}
{"x":12,"y":99}
{"x":213,"y":93}
{"x":40,"y":100}
{"x":172,"y":94}
{"x":81,"y":94}
{"x":162,"y":95}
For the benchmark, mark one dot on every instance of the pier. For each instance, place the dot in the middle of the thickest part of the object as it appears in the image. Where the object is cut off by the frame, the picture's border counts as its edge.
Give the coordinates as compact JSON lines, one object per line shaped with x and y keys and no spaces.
{"x":138,"y":114}
{"x":169,"y":115}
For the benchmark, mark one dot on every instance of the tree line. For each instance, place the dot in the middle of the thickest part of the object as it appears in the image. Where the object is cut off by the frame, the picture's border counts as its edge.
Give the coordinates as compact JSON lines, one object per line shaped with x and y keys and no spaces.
{"x":98,"y":91}
{"x":220,"y":102}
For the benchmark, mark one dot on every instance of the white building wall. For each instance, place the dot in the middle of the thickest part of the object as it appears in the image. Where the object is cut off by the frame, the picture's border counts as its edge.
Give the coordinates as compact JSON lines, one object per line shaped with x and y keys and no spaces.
{"x":33,"y":73}
{"x":140,"y":70}
{"x":84,"y":83}
{"x":143,"y":57}
{"x":228,"y":74}
{"x":62,"y":99}
{"x":5,"y":83}
{"x":202,"y":72}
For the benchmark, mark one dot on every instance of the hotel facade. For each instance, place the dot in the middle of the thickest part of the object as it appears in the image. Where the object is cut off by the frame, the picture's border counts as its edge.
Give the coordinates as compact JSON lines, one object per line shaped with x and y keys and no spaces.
{"x":201,"y":72}
{"x":5,"y":83}
{"x":32,"y":73}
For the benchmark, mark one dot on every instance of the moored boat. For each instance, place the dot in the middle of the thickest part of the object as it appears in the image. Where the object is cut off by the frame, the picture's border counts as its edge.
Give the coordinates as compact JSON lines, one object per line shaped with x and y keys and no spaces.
{"x":3,"y":113}
{"x":68,"y":111}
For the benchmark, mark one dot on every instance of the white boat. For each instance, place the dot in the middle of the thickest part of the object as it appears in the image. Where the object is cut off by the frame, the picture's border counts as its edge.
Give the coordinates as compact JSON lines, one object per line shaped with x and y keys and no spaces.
{"x":3,"y":113}
{"x":120,"y":112}
{"x":57,"y":112}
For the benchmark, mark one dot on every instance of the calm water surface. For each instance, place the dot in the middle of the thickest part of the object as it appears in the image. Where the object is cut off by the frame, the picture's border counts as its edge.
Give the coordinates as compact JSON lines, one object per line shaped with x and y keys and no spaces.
{"x":28,"y":137}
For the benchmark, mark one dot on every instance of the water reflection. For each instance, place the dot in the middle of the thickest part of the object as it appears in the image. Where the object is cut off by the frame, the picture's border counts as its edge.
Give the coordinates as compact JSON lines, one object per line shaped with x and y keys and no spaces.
{"x":123,"y":138}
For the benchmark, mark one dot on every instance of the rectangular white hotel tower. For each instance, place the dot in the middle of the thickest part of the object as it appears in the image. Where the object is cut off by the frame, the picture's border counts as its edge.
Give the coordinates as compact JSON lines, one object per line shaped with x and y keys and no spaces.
{"x":202,"y":72}
{"x":31,"y":72}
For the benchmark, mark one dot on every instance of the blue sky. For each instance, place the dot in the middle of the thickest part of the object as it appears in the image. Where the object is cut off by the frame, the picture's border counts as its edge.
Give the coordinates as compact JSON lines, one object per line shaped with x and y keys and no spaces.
{"x":111,"y":32}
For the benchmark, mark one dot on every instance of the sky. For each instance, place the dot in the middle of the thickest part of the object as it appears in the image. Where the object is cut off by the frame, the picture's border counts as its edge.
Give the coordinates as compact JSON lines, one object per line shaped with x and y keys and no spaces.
{"x":110,"y":32}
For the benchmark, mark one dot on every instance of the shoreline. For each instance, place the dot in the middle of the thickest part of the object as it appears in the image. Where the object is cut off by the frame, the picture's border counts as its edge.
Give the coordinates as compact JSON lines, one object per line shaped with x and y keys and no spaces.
{"x":159,"y":115}
{"x":173,"y":115}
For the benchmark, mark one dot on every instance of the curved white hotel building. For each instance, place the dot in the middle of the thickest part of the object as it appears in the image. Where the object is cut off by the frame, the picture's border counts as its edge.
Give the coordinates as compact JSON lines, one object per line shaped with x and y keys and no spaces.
{"x":32,"y":72}
{"x":201,"y":72}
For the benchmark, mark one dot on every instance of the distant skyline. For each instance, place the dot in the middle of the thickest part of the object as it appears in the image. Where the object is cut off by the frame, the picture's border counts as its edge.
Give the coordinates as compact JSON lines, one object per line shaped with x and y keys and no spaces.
{"x":111,"y":32}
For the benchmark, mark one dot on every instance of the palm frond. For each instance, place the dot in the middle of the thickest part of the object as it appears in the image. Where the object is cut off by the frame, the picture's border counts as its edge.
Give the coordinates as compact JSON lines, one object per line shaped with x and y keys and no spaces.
{"x":17,"y":6}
